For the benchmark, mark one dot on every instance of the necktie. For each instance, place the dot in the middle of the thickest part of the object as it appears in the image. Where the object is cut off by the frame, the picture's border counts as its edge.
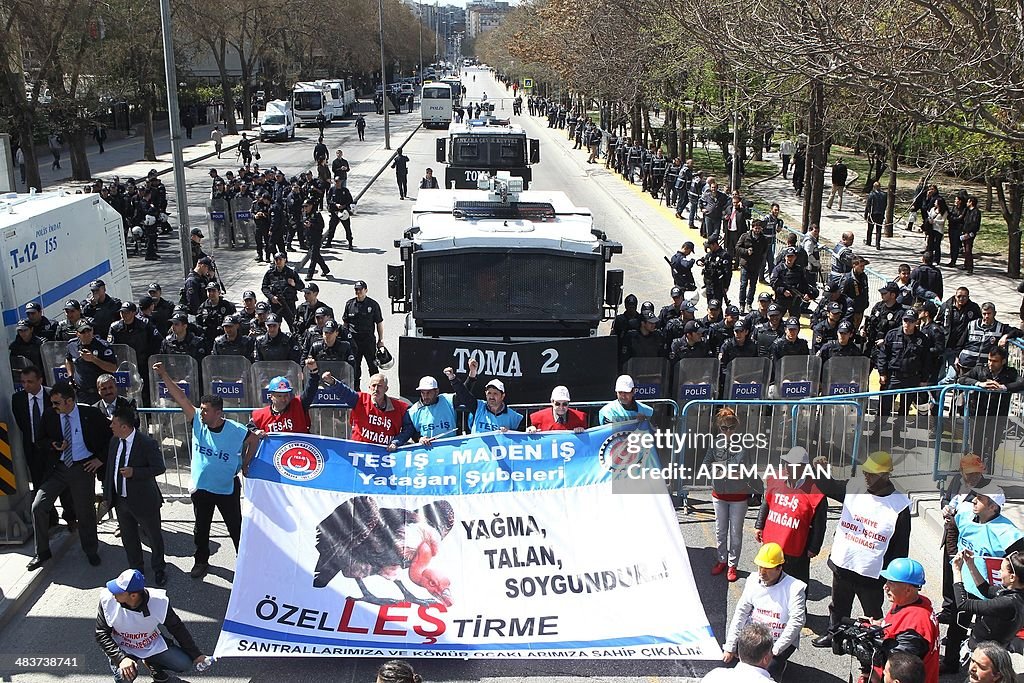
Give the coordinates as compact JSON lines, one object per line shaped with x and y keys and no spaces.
{"x":37,"y":415}
{"x":560,"y":419}
{"x":122,"y":461}
{"x":67,"y":456}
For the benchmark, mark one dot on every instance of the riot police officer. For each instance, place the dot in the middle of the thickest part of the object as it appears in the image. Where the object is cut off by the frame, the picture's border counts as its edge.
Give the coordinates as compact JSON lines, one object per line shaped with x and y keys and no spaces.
{"x":659,"y":168}
{"x":902,"y":360}
{"x":364,"y":317}
{"x":248,"y":311}
{"x":759,"y":314}
{"x":740,"y":345}
{"x":885,"y":316}
{"x":331,"y":347}
{"x":281,"y":285}
{"x":87,"y":358}
{"x":162,"y":310}
{"x":140,"y":335}
{"x":195,"y":243}
{"x":844,"y":345}
{"x":184,"y":341}
{"x":67,"y":329}
{"x":828,"y":329}
{"x":832,"y":293}
{"x":767,"y":332}
{"x":628,"y":320}
{"x":717,"y":265}
{"x":258,"y":325}
{"x":212,"y":312}
{"x":26,"y":349}
{"x":231,"y":342}
{"x":722,"y":330}
{"x":275,"y":344}
{"x":791,"y":344}
{"x":40,"y":325}
{"x":791,"y":284}
{"x":647,"y":342}
{"x":195,"y":284}
{"x":692,"y":344}
{"x":101,"y":308}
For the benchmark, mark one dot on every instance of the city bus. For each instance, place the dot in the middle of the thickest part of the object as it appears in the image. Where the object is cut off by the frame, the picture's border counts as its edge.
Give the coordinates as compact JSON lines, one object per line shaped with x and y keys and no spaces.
{"x":436,"y":105}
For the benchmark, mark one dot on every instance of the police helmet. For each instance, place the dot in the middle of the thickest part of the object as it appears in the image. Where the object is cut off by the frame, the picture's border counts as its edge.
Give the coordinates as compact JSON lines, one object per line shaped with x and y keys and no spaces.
{"x":384,"y":359}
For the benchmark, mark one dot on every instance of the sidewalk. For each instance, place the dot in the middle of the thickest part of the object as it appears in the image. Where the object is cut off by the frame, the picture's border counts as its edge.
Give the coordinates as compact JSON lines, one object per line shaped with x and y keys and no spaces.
{"x":988,"y":283}
{"x":238,"y":270}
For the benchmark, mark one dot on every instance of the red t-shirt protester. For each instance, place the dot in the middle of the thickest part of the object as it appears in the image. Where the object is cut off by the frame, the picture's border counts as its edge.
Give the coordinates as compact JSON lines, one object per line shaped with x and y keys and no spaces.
{"x":559,"y":417}
{"x":286,"y":412}
{"x":375,"y":417}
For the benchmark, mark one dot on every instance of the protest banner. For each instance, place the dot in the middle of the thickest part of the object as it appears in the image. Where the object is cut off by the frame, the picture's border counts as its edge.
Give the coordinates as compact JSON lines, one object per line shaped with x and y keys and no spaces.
{"x":497,"y":545}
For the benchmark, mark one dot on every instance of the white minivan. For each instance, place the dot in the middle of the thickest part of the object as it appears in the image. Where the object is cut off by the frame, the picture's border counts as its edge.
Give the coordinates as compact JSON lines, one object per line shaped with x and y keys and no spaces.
{"x":278,"y":121}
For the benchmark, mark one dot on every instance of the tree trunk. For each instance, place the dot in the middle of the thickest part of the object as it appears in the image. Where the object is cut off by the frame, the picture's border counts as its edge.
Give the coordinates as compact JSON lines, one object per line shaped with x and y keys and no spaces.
{"x":149,"y":142}
{"x":890,"y":204}
{"x":1011,"y":202}
{"x":229,"y":105}
{"x":671,"y":141}
{"x":79,"y":159}
{"x":635,"y":124}
{"x":32,"y":178}
{"x":814,"y":178}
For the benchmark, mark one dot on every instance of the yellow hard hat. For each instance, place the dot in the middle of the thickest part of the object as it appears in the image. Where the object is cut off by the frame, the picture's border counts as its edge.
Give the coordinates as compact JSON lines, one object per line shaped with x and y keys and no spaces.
{"x":770,"y":556}
{"x":878,"y":462}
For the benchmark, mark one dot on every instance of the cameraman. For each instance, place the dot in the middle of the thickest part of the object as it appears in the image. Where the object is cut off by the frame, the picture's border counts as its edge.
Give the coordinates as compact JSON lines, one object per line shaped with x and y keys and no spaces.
{"x":910,"y":622}
{"x":874,"y":530}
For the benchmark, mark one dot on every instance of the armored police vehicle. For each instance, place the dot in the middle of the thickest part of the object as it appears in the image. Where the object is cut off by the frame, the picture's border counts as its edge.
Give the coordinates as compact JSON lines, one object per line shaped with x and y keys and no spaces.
{"x":516,"y":279}
{"x":483,"y":147}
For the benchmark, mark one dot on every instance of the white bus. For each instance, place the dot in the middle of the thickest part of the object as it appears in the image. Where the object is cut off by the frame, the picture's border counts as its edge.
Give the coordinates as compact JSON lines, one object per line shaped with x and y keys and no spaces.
{"x":436,"y":105}
{"x":340,"y":98}
{"x":310,"y":101}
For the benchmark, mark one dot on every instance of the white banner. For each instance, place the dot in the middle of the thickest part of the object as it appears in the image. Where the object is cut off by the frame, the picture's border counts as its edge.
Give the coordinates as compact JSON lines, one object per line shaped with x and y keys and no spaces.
{"x":499,"y":545}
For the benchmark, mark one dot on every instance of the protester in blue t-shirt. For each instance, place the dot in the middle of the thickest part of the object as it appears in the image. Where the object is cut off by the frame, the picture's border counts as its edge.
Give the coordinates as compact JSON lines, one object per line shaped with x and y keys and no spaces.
{"x":492,"y":414}
{"x":219,"y":446}
{"x":433,"y":416}
{"x":625,"y":407}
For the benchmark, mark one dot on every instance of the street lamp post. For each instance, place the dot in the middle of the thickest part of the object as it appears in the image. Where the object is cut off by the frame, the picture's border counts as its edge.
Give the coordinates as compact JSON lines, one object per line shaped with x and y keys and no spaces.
{"x":175,"y":125}
{"x":383,"y":78}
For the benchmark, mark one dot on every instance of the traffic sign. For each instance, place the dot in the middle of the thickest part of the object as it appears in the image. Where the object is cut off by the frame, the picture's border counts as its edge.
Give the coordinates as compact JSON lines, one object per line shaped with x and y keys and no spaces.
{"x":527,"y":83}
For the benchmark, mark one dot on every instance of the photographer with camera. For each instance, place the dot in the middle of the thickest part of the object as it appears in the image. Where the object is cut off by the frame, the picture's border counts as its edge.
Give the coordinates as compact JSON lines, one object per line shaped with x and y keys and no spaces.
{"x":774,"y":599}
{"x":873,"y":530}
{"x":910,"y":621}
{"x":983,"y":531}
{"x":754,"y":646}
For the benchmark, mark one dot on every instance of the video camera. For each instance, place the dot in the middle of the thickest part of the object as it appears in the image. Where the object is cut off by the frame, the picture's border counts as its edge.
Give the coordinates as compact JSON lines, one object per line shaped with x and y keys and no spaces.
{"x":866,"y":643}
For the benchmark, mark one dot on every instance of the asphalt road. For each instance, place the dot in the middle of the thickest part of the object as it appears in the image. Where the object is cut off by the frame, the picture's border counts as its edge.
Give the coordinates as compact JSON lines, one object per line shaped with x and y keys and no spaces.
{"x":58,"y":620}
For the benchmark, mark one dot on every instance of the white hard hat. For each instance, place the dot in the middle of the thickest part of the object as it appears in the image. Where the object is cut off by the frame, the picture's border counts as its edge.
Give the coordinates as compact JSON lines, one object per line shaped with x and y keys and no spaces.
{"x":624,"y":383}
{"x":427,"y":383}
{"x":797,"y":455}
{"x":497,"y":384}
{"x":560,"y":393}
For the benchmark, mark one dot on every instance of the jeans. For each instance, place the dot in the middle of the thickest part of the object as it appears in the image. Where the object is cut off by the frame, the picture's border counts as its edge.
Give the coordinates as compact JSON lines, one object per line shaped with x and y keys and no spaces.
{"x":230,"y":506}
{"x":729,"y":518}
{"x":172,"y":659}
{"x":748,"y":284}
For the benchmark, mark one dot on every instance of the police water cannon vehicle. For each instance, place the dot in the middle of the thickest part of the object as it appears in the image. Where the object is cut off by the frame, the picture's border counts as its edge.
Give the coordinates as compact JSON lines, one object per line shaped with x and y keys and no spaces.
{"x":516,"y":279}
{"x":482,"y":148}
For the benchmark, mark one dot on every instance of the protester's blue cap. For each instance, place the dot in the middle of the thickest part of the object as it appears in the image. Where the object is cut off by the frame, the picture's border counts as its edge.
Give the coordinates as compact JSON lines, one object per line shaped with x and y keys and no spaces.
{"x":279,"y":384}
{"x":129,"y":581}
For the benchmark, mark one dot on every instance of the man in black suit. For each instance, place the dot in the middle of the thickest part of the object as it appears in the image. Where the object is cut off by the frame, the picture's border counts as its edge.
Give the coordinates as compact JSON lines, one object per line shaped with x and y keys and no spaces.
{"x":134,"y":461}
{"x":74,"y":439}
{"x":29,"y":404}
{"x":110,"y":401}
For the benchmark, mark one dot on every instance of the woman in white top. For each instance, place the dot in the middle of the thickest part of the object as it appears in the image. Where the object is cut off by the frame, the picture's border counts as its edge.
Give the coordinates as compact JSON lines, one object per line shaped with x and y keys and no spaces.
{"x":937,"y":217}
